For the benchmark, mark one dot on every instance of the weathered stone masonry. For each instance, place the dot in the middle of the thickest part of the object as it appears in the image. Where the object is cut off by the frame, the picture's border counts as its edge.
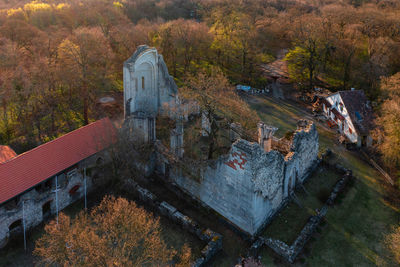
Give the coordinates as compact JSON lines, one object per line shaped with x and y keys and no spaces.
{"x":40,"y":202}
{"x":51,"y":176}
{"x":249,"y":184}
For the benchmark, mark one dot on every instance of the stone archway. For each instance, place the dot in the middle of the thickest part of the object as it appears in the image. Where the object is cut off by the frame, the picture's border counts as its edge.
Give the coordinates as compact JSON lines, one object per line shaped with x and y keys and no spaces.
{"x":15,"y":228}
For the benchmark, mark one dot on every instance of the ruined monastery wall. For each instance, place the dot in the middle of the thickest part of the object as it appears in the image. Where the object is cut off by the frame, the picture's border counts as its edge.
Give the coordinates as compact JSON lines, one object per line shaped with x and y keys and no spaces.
{"x":248,"y":186}
{"x":147,"y":83}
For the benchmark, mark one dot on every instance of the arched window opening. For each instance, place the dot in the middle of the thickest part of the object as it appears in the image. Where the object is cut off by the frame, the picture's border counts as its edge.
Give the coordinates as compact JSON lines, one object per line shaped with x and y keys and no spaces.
{"x":15,"y":227}
{"x":143,"y":82}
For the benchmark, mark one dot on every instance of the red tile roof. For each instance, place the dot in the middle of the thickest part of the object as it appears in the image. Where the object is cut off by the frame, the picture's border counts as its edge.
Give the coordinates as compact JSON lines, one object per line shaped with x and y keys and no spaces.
{"x":34,"y":166}
{"x":6,"y":153}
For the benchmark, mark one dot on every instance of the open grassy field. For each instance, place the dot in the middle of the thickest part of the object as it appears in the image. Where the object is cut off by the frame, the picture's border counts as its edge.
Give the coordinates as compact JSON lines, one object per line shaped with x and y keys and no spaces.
{"x":356,"y":228}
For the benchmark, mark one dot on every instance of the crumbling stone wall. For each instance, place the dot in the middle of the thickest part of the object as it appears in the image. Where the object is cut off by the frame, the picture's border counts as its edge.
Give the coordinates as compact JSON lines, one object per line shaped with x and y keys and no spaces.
{"x":33,"y":200}
{"x":248,"y":185}
{"x":290,"y":252}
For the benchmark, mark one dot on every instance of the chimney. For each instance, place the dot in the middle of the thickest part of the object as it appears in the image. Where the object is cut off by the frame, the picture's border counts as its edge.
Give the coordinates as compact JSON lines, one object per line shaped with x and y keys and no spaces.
{"x":265,"y":134}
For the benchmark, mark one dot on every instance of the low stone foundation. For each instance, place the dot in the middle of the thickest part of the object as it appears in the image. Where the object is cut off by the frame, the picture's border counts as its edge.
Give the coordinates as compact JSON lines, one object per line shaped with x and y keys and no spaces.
{"x":290,"y":253}
{"x":213,"y":239}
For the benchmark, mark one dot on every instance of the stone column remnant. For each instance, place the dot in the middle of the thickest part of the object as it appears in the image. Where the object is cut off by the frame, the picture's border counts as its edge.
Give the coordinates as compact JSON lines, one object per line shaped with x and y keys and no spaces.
{"x":265,"y":133}
{"x":177,"y":140}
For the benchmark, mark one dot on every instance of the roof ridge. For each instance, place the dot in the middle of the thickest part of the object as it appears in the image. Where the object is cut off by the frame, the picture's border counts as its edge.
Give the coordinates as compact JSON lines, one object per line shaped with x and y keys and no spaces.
{"x":55,"y":139}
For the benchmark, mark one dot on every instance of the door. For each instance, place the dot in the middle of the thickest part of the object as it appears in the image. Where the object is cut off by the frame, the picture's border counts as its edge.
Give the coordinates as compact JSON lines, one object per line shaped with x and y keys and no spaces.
{"x":46,"y":210}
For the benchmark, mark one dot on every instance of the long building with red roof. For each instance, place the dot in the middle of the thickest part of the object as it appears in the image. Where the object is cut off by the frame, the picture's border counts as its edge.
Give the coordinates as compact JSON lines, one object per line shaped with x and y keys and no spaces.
{"x":31,"y":177}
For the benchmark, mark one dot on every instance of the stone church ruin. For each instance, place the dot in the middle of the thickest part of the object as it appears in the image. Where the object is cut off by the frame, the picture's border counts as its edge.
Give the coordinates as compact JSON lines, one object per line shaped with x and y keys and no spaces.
{"x":246,"y":185}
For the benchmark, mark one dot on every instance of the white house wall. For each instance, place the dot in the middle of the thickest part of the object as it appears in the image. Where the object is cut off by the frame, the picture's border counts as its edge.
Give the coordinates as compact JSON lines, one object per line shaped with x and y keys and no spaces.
{"x":333,"y":99}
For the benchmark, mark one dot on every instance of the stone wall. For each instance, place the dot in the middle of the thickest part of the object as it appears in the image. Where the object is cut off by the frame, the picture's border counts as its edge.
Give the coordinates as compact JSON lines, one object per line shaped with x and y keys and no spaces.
{"x":35,"y":198}
{"x":213,"y":239}
{"x":147,"y":83}
{"x":290,"y":252}
{"x":248,"y":185}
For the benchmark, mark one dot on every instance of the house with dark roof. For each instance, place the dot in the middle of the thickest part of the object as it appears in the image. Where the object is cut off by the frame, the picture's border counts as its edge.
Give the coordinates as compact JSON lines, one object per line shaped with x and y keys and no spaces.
{"x":46,"y":179}
{"x":352,"y":113}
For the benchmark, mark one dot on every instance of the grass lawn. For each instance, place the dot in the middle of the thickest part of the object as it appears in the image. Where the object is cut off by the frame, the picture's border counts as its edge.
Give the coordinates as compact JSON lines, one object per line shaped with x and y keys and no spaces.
{"x":355,"y":231}
{"x":291,"y":220}
{"x":172,"y":234}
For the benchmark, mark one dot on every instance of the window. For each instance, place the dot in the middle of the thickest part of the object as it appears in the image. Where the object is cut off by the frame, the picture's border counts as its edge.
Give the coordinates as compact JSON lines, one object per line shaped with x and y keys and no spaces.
{"x":61,"y":180}
{"x":350,"y":131}
{"x":341,"y":107}
{"x":72,"y":173}
{"x":142,"y":82}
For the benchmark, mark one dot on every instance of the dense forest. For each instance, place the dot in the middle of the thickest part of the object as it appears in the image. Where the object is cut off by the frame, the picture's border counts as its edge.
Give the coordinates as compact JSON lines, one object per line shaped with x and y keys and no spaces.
{"x":58,"y":57}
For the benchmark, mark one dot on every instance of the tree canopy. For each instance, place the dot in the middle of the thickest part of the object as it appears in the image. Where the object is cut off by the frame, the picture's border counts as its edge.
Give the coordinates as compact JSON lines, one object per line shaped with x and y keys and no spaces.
{"x":115,"y":233}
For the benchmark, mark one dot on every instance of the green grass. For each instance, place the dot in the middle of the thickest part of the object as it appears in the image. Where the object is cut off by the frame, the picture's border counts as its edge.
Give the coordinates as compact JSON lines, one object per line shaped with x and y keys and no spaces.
{"x":290,"y":221}
{"x":355,"y":231}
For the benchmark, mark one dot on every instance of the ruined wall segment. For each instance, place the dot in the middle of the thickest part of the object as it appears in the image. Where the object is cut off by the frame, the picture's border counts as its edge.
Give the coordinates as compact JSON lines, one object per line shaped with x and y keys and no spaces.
{"x":249,"y":185}
{"x":147,"y":83}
